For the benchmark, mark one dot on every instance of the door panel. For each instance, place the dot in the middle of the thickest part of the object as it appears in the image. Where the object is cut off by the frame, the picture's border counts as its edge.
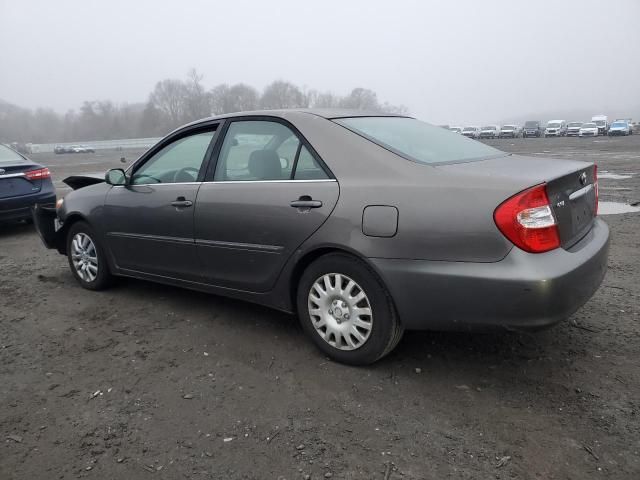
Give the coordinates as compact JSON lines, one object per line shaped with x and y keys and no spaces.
{"x":145,"y":232}
{"x":150,"y":220}
{"x":246,"y":231}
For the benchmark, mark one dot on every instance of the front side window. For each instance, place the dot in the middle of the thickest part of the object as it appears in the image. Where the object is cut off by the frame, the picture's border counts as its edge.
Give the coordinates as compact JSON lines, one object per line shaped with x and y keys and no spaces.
{"x":419,"y":141}
{"x":259,"y":150}
{"x":178,"y":162}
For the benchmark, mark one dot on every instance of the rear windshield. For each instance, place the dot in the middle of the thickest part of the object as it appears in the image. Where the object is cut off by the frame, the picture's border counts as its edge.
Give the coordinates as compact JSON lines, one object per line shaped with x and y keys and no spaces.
{"x":418,"y":141}
{"x":9,"y":156}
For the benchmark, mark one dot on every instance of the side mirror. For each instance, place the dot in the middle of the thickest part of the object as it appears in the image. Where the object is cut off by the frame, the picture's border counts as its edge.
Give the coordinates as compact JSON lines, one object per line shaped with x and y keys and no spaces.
{"x":116,"y":176}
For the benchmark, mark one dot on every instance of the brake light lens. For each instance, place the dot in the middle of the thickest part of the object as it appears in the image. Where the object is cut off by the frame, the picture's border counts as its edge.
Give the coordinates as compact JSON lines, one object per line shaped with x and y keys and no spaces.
{"x":38,"y":174}
{"x":526,"y":219}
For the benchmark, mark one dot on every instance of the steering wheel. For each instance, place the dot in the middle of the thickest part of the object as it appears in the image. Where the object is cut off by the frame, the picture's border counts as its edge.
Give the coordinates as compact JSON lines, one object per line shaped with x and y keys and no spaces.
{"x":142,"y":175}
{"x":186,"y":170}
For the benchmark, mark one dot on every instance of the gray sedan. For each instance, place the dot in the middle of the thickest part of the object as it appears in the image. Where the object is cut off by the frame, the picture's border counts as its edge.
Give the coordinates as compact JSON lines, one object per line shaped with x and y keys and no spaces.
{"x":363,"y":225}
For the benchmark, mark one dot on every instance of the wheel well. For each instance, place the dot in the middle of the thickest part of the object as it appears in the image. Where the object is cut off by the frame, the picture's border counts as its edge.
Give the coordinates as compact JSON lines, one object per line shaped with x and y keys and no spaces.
{"x":311,"y":257}
{"x":62,"y":233}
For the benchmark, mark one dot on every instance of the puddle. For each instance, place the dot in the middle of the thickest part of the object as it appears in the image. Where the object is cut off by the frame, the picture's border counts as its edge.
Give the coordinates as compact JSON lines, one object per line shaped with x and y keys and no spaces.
{"x":612,"y":208}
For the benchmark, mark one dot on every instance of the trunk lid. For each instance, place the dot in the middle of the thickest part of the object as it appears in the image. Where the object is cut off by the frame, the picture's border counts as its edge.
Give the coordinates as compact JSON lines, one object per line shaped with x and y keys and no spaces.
{"x":570,"y":187}
{"x":13,"y":183}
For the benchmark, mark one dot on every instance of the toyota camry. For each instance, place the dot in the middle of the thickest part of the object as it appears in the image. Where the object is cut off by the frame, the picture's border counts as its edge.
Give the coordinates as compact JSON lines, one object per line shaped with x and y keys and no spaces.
{"x":364,"y":225}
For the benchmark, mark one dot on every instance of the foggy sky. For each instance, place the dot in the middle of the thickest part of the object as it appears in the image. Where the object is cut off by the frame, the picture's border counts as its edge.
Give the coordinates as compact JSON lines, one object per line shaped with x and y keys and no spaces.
{"x":447,"y":61}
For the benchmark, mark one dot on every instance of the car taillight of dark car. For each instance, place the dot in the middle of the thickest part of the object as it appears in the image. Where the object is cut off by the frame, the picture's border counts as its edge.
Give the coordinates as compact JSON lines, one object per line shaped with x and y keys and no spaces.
{"x":37,"y":174}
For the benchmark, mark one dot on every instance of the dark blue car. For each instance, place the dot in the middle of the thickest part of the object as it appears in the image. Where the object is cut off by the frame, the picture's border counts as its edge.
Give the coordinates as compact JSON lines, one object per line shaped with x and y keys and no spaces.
{"x":23,"y":184}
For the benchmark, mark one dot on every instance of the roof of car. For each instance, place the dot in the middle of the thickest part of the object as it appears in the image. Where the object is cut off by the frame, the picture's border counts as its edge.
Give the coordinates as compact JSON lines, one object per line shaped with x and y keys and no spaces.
{"x":328,"y":113}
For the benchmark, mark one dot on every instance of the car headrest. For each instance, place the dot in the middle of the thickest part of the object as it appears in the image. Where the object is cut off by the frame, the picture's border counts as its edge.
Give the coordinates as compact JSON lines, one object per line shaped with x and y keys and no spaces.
{"x":265,"y":165}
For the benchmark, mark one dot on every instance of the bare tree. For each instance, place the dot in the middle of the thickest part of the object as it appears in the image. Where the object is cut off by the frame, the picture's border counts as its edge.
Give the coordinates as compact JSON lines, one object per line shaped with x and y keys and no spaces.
{"x":281,"y":94}
{"x":326,"y":100}
{"x":361,"y":99}
{"x":171,"y":103}
{"x":169,"y":97}
{"x":197,"y":101}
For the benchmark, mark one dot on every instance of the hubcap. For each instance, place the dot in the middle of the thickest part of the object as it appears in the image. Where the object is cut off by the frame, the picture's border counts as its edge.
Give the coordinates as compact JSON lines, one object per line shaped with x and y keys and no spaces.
{"x":340,"y":311}
{"x":84,"y":257}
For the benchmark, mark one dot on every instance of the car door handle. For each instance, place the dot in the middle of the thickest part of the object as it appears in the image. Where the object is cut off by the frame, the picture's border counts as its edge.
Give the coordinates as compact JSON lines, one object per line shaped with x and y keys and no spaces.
{"x":306,"y":203}
{"x":181,"y":202}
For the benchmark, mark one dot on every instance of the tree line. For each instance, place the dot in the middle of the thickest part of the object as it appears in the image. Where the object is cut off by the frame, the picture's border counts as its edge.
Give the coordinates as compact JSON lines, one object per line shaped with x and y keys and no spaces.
{"x":172,"y":103}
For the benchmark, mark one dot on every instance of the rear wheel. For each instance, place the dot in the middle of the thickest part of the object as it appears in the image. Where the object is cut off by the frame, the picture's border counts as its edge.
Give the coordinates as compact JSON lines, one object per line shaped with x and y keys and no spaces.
{"x":87,"y":259}
{"x":346,"y":311}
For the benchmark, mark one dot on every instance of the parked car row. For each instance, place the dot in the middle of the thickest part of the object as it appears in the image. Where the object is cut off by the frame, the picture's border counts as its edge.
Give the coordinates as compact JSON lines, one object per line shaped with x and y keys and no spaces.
{"x":599,"y":125}
{"x":489,"y":131}
{"x":73,"y":149}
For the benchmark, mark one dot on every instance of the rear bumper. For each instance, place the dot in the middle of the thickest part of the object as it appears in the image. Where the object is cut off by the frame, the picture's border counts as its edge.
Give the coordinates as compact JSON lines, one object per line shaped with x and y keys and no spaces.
{"x":19,"y":208}
{"x":521,"y":292}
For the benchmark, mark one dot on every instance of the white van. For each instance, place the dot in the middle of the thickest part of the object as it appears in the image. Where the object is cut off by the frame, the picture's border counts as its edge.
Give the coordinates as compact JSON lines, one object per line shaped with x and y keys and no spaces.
{"x":602,"y":121}
{"x":556,"y":128}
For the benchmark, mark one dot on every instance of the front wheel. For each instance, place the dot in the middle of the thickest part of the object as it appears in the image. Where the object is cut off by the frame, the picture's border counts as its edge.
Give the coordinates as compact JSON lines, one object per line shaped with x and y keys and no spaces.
{"x":87,"y":259}
{"x":346,"y":311}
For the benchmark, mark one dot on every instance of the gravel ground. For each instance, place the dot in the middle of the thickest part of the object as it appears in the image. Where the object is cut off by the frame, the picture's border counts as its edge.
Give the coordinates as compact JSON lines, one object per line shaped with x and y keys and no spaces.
{"x":149,"y":381}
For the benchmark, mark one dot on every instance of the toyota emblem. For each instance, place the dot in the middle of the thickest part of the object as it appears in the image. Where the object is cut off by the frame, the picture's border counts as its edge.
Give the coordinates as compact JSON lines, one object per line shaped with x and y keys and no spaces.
{"x":583,"y":178}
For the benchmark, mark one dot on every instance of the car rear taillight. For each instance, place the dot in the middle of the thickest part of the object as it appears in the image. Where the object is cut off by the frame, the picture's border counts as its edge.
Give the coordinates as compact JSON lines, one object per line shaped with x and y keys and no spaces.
{"x":527,"y":221}
{"x":595,"y":185}
{"x":38,"y":174}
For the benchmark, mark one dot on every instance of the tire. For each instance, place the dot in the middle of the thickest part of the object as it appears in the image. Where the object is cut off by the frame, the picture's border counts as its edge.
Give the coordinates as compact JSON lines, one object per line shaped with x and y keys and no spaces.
{"x":379,"y":331}
{"x":99,"y":279}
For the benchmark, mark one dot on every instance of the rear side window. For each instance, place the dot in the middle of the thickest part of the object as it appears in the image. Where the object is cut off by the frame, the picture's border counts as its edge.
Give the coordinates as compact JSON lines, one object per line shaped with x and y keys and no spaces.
{"x":308,"y":168}
{"x":262,"y":150}
{"x":418,"y":141}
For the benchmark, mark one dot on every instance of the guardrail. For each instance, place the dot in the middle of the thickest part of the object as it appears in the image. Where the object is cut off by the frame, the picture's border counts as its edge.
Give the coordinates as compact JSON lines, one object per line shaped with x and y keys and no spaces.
{"x":99,"y":144}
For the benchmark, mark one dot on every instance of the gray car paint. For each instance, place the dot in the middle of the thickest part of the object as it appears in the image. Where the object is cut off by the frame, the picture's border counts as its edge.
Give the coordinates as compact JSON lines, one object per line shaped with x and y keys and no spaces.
{"x":445,"y":218}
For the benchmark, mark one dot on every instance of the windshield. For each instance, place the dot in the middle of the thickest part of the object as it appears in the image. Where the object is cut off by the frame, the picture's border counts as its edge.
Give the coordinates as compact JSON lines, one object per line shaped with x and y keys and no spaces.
{"x":589,"y":125}
{"x":531,"y":124}
{"x":575,"y":124}
{"x":9,"y":156}
{"x":619,"y":124}
{"x":600,"y":123}
{"x":508,"y":127}
{"x":418,"y":141}
{"x":553,"y":125}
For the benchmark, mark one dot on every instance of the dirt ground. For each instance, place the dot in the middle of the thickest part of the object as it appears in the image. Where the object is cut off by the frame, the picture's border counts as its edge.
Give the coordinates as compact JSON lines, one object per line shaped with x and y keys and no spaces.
{"x":148,"y":381}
